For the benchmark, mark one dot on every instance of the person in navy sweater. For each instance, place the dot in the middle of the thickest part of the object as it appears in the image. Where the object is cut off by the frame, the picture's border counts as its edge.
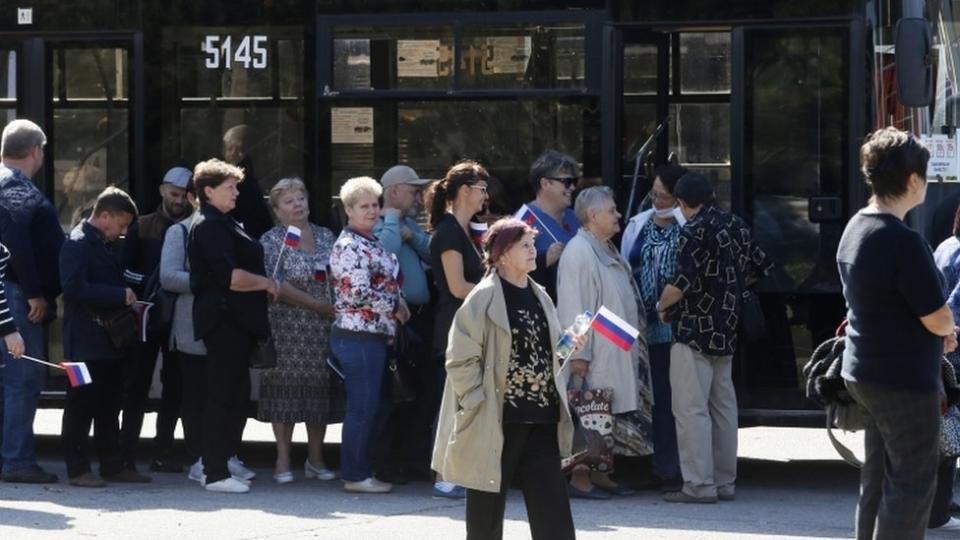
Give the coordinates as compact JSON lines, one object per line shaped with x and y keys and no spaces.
{"x":30,"y":230}
{"x":94,"y":289}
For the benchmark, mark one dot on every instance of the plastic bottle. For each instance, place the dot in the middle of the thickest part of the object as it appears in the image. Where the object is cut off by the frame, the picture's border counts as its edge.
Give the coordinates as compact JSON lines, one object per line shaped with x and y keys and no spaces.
{"x":579,"y":327}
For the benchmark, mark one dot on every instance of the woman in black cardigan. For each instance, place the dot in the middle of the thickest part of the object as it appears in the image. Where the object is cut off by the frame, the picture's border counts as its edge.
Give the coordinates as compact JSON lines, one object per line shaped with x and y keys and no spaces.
{"x":229,"y":314}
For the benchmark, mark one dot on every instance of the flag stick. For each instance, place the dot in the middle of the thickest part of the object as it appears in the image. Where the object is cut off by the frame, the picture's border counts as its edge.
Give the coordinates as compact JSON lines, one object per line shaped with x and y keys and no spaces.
{"x":44,"y":362}
{"x":279,"y":258}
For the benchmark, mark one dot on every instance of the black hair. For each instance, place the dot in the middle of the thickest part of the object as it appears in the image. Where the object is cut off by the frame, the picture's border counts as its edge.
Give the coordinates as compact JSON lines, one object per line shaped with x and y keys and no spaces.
{"x":888,"y":158}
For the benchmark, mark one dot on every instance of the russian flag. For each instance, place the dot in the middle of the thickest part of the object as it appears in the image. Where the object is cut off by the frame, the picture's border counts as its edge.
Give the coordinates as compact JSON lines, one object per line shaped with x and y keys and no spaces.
{"x":293,"y":237}
{"x":612,"y":327}
{"x":526,"y":215}
{"x":77,"y":373}
{"x":477,"y":232}
{"x":320,"y":274}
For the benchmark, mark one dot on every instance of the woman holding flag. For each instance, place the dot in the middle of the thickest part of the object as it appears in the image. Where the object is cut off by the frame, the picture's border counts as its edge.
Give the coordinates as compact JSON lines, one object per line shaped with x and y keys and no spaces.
{"x":592,"y":275}
{"x":298,"y":389}
{"x":504,"y":414}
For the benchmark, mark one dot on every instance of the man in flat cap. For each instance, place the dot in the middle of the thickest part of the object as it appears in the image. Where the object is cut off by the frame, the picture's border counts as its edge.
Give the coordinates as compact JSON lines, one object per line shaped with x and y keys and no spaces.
{"x":141,"y":259}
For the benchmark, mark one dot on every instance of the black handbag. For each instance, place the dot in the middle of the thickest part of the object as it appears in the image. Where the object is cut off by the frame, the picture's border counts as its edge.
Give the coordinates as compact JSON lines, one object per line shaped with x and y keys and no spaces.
{"x":753,"y":324}
{"x":264,"y":355}
{"x":164,"y":302}
{"x":121,"y":327}
{"x":402,"y":389}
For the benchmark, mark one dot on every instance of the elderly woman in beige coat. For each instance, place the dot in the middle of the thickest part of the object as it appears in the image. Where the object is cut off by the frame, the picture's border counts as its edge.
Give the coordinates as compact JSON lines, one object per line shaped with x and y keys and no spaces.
{"x":592,"y":274}
{"x":504,"y":414}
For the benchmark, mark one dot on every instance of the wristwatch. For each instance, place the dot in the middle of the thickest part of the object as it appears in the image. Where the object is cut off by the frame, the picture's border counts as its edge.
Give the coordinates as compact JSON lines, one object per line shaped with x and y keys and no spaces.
{"x":658,"y":307}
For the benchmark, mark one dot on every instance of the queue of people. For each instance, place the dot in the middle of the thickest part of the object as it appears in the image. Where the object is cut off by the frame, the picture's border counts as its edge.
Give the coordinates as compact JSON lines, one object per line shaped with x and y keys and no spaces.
{"x":471,"y":319}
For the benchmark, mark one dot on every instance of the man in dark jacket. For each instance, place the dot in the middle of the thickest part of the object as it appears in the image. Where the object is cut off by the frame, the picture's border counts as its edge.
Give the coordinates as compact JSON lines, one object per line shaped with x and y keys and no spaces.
{"x":94,"y":290}
{"x":251,"y":211}
{"x":141,"y":258}
{"x":30,"y":230}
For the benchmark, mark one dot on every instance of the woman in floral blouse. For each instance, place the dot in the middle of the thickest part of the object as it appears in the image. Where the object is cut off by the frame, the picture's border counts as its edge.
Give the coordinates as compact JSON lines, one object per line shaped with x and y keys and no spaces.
{"x":369,"y":306}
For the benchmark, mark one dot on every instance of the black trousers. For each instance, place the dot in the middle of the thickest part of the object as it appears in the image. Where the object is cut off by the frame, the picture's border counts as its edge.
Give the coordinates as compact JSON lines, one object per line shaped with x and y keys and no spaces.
{"x":530,"y":455}
{"x":940,"y":509}
{"x":137,"y":378}
{"x":406,"y":441}
{"x":193,"y":369}
{"x":228,"y":392}
{"x":97,"y":402}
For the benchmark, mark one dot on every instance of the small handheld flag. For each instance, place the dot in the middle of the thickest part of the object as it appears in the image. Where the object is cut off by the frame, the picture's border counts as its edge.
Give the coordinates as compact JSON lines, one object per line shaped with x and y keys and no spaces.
{"x":292,"y":239}
{"x":528,"y":216}
{"x":77,"y":373}
{"x":320,"y":274}
{"x":477,"y":232}
{"x":612,"y":327}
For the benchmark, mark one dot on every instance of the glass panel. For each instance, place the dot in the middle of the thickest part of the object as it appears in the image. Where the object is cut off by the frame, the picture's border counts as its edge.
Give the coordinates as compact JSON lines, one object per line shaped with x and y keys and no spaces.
{"x":705,"y":62}
{"x":8,"y":77}
{"x":408,"y":131}
{"x":90,"y":148}
{"x":522,"y":56}
{"x":700,"y":132}
{"x":367,"y":58}
{"x":268,"y":142}
{"x":640,"y":68}
{"x":91,"y":74}
{"x":237,"y":62}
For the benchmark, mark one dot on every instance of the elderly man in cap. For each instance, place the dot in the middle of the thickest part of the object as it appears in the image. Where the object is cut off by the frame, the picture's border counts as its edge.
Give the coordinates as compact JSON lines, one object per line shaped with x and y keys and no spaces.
{"x":141,"y":259}
{"x":716,"y":258}
{"x":404,"y":448}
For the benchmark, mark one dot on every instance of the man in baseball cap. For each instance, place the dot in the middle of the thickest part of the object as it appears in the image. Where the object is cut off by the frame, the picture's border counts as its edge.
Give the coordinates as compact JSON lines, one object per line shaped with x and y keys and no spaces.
{"x":404,"y":448}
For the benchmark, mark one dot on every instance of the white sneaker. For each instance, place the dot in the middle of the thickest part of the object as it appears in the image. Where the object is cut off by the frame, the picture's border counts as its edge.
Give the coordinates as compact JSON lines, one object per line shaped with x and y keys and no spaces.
{"x":236,"y":468}
{"x":370,"y":485}
{"x":196,"y":471}
{"x":953,"y":524}
{"x":228,"y":485}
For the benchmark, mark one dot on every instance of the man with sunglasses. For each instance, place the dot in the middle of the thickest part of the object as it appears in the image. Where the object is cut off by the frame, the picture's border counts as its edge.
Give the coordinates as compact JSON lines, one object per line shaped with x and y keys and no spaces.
{"x":553,"y":179}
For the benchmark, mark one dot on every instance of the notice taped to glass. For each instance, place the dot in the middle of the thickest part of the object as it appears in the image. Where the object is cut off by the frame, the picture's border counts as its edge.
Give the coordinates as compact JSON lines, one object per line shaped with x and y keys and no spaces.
{"x":418,"y":57}
{"x":944,"y":164}
{"x":351,"y":125}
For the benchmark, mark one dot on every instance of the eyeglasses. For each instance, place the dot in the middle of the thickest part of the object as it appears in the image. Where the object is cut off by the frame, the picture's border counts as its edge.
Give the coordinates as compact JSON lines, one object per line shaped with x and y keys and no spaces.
{"x":478,"y":186}
{"x":567,"y":181}
{"x":660,"y":196}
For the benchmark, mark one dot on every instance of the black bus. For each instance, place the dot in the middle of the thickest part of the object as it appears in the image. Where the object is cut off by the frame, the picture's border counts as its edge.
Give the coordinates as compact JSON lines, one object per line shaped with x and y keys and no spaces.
{"x":769,"y":99}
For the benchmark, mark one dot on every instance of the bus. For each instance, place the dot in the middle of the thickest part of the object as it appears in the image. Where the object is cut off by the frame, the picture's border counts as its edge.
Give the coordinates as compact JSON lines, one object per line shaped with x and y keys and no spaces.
{"x":770,"y":100}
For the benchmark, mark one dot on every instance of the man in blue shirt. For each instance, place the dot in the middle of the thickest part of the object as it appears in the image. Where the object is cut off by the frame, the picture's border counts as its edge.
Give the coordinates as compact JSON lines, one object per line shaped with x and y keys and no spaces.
{"x":404,"y":448}
{"x":553,"y":179}
{"x":31,"y":231}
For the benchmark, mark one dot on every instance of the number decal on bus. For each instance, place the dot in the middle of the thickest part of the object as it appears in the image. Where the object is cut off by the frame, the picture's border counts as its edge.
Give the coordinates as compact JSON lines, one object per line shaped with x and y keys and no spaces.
{"x":251,"y":51}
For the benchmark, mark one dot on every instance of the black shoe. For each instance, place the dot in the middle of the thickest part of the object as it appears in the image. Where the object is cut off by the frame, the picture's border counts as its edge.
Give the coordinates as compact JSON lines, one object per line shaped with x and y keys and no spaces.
{"x":166,"y":466}
{"x":594,"y":493}
{"x":33,"y":475}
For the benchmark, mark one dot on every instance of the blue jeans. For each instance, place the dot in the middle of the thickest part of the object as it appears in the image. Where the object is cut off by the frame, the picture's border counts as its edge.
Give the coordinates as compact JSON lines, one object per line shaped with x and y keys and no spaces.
{"x":666,"y":459}
{"x":363,"y":362}
{"x":20,"y":384}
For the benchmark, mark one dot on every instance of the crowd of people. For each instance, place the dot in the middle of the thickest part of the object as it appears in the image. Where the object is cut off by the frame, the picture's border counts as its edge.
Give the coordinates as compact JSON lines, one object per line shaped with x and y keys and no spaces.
{"x":437,"y":346}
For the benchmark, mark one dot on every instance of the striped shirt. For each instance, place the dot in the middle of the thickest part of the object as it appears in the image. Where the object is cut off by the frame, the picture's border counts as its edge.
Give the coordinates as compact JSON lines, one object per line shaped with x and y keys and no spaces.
{"x":6,"y":317}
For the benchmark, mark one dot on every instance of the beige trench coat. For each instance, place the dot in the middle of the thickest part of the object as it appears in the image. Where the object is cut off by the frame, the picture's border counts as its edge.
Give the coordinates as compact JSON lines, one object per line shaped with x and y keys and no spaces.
{"x":590,"y":276}
{"x":470,"y":436}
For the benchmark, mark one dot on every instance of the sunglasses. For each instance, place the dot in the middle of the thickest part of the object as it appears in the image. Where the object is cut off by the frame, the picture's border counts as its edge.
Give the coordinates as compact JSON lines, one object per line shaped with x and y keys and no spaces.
{"x":567,"y":181}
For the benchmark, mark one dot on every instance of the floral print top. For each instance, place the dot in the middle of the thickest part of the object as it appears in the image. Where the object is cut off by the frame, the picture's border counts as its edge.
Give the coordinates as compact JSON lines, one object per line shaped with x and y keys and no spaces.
{"x":531,"y":393}
{"x":366,"y":284}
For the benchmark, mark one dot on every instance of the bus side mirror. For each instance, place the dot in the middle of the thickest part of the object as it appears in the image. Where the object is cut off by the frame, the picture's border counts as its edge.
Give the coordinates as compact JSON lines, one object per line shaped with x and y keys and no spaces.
{"x":914,"y":62}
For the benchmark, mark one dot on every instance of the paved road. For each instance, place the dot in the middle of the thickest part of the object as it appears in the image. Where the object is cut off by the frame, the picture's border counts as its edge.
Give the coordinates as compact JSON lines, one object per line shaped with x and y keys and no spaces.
{"x":790,"y":486}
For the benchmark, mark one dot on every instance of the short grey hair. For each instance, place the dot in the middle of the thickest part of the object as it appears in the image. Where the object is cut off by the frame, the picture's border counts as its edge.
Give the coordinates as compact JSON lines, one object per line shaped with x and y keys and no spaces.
{"x":284,"y":185}
{"x":354,"y":188}
{"x":550,"y":163}
{"x":589,"y":199}
{"x":19,"y":138}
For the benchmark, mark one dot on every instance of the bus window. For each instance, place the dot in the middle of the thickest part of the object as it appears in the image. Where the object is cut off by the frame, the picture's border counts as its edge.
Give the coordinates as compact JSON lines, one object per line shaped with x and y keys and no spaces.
{"x":8,"y":85}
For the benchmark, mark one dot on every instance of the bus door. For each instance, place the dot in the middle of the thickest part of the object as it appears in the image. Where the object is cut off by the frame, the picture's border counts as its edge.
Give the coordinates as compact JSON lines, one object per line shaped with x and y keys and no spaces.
{"x":795,"y":129}
{"x":82,"y":92}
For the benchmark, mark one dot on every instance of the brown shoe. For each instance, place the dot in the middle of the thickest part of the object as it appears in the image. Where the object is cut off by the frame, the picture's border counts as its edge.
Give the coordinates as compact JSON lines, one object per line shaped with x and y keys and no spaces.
{"x":87,"y":480}
{"x":681,"y":497}
{"x":128,"y":477}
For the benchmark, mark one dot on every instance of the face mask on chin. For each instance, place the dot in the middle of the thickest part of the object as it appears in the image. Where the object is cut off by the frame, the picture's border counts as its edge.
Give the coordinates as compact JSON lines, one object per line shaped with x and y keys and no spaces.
{"x":665,"y":213}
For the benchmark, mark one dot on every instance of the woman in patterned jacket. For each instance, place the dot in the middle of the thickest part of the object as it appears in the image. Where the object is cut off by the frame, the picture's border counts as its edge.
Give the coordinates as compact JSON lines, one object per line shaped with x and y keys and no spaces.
{"x":369,"y":305}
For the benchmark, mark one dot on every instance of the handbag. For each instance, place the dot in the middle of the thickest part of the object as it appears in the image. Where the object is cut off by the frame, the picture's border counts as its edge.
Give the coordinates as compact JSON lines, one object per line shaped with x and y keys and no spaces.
{"x":160,"y":321}
{"x":402,"y":389}
{"x":753,"y":324}
{"x":264,"y":355}
{"x":593,"y":416}
{"x":950,"y":423}
{"x":121,"y":327}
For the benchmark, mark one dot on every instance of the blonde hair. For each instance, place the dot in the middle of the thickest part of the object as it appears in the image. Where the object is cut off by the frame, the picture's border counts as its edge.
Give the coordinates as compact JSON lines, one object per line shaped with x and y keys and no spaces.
{"x":284,"y":185}
{"x":352,"y":189}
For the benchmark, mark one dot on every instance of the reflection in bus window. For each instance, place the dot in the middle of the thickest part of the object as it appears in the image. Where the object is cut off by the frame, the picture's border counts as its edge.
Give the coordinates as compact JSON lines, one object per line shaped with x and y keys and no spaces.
{"x":522,"y":56}
{"x":393,"y":57}
{"x":8,"y":86}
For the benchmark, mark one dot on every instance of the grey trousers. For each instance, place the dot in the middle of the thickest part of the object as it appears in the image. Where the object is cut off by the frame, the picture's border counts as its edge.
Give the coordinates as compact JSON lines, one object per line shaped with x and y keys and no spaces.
{"x":705,"y":408}
{"x":899,"y":474}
